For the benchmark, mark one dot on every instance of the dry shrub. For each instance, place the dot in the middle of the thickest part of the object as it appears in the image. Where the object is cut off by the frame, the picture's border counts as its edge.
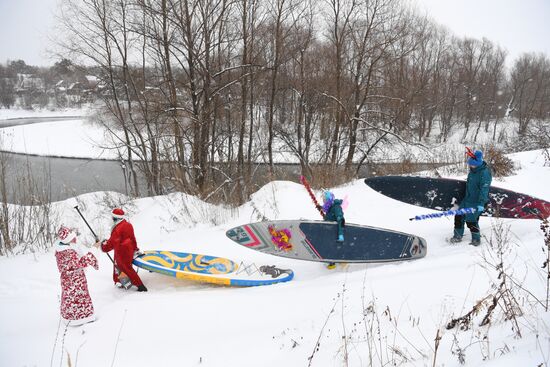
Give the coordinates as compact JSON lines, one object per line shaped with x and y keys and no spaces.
{"x":326,"y":175}
{"x":501,"y":165}
{"x":405,"y":166}
{"x":546,"y":153}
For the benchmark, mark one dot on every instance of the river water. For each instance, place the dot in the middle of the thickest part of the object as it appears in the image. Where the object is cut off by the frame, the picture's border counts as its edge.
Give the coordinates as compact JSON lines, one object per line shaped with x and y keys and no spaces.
{"x":55,"y":178}
{"x":61,"y":178}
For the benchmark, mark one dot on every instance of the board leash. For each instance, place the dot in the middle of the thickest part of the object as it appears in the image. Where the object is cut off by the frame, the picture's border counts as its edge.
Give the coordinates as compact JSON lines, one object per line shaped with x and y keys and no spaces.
{"x":249,"y":269}
{"x":444,"y":214}
{"x":264,"y":270}
{"x":304,"y":182}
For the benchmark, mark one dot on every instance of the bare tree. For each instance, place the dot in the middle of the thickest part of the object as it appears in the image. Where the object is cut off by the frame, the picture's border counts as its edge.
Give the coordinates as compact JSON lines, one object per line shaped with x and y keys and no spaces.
{"x":339,"y":18}
{"x":5,"y":237}
{"x":530,"y":89}
{"x":381,"y":27}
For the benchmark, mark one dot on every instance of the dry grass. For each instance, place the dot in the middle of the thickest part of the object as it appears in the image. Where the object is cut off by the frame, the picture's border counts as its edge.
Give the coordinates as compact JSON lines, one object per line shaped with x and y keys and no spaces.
{"x":500,"y":164}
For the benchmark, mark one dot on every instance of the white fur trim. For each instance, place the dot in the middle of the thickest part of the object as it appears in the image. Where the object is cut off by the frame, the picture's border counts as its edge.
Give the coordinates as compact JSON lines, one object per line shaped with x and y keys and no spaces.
{"x":70,"y":236}
{"x":79,"y":321}
{"x":59,"y":246}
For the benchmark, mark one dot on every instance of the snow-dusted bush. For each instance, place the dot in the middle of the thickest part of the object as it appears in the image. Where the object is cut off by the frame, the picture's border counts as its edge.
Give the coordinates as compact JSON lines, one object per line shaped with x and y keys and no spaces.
{"x":501,"y":165}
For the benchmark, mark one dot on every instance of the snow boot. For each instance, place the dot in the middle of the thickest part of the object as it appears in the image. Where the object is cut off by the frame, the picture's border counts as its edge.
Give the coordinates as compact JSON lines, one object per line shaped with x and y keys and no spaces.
{"x":142,"y":288}
{"x":476,"y":239}
{"x":455,"y":239}
{"x":457,"y":235}
{"x":124,"y":285}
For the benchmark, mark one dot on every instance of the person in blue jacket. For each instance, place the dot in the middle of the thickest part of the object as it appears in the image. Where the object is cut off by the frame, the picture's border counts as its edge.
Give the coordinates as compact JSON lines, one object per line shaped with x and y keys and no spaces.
{"x":477,"y":196}
{"x":334,"y":213}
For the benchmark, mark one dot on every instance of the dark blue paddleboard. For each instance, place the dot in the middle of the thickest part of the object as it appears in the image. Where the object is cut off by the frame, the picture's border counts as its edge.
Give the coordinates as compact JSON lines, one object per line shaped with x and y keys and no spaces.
{"x":316,"y":241}
{"x":443,"y":193}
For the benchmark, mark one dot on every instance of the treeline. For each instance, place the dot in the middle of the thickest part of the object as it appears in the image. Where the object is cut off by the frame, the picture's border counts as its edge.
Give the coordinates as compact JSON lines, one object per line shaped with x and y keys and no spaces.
{"x":62,"y":85}
{"x":204,"y":89}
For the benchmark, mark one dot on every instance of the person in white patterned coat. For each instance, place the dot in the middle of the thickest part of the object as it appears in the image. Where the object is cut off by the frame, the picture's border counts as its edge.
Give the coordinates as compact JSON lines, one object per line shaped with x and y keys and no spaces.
{"x":76,"y":303}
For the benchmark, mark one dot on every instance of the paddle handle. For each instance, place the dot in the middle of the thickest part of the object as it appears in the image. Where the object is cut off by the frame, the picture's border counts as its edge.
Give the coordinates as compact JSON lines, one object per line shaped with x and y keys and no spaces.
{"x":304,"y":182}
{"x":95,"y":236}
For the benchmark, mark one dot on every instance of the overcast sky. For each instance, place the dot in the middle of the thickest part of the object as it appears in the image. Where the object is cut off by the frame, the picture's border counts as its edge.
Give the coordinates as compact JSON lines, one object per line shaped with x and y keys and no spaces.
{"x":517,"y":25}
{"x":24,"y":27}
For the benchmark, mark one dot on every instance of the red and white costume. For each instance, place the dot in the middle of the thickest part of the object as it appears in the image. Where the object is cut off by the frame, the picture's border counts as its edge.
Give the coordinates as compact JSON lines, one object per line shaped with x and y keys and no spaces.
{"x":123,"y":242}
{"x":76,"y":303}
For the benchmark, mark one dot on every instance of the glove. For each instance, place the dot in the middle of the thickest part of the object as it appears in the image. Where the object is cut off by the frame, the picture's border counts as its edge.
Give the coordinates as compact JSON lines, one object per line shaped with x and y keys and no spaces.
{"x":480,"y":208}
{"x":319,"y":207}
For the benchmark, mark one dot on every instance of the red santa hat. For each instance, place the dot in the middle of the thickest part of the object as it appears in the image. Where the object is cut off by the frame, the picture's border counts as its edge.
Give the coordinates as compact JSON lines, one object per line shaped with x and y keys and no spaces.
{"x":117,"y":213}
{"x":66,"y":234}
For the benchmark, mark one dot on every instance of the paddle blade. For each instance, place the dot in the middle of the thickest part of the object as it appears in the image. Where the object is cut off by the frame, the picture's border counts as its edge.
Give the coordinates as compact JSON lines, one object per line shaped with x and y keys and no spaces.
{"x":124,"y":280}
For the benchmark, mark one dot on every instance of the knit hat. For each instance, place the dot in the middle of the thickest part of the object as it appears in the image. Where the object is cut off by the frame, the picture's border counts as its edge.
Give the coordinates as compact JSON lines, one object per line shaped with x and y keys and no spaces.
{"x":66,"y":234}
{"x":117,"y":213}
{"x":478,"y":160}
{"x":328,"y":196}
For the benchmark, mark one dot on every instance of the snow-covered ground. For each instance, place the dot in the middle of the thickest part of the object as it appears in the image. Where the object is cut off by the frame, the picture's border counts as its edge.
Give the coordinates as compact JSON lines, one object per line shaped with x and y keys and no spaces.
{"x":14,"y":113}
{"x":76,"y":138}
{"x":359,"y":315}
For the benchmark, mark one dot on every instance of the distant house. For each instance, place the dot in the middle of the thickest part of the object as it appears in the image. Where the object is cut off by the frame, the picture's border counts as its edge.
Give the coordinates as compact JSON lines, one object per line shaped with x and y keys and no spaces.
{"x":29,"y":83}
{"x":60,"y":86}
{"x":30,"y":89}
{"x":93,"y":82}
{"x":75,"y":92}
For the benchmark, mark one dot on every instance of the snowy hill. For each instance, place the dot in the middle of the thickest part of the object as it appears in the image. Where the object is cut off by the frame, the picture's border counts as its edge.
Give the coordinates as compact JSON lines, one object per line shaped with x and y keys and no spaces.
{"x":359,"y":315}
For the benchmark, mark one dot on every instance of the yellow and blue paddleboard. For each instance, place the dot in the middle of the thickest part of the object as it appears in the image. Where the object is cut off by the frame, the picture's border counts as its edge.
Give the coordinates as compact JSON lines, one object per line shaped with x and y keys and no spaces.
{"x":211,"y":269}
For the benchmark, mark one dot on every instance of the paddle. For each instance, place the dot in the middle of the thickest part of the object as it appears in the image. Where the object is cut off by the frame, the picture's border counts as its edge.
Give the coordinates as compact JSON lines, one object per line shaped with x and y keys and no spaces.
{"x":122,"y":277}
{"x":311,"y":195}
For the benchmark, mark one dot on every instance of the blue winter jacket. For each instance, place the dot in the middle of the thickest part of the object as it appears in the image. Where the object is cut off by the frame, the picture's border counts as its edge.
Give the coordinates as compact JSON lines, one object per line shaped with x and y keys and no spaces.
{"x":336,"y":214}
{"x":477,"y":187}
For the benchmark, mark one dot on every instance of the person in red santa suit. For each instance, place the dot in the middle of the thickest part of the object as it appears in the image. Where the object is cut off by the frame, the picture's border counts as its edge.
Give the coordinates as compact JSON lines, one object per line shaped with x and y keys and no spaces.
{"x":76,"y":303}
{"x":124,"y":244}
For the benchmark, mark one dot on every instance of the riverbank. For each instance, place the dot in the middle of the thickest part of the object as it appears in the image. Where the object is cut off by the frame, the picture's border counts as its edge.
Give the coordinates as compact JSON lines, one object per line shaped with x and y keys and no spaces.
{"x":388,"y":313}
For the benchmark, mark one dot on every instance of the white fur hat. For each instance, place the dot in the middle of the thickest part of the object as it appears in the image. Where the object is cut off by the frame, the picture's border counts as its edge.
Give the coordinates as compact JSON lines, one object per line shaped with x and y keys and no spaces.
{"x":118,"y":213}
{"x":66,"y":234}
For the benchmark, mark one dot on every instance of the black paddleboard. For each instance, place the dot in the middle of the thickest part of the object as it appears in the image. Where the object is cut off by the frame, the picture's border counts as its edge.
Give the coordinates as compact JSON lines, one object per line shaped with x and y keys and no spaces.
{"x":443,"y":193}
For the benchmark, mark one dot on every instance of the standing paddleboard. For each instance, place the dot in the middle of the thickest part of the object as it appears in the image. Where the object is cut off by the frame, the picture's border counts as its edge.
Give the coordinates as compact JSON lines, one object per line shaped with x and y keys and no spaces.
{"x":211,"y":269}
{"x":443,"y":193}
{"x":316,"y":241}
